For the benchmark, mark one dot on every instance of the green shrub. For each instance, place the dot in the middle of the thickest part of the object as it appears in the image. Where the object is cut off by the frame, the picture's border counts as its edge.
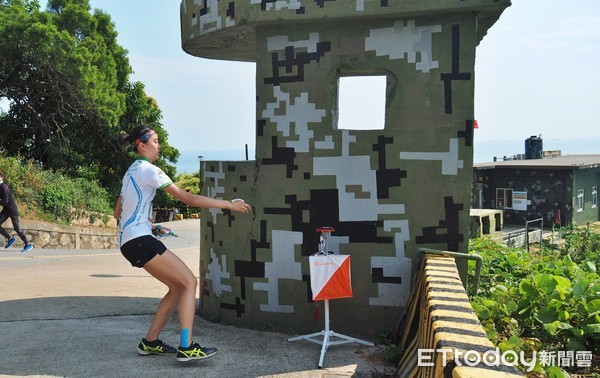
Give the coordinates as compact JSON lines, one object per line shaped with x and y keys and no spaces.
{"x":548,"y":300}
{"x":58,"y":199}
{"x":581,"y":243}
{"x":52,"y":196}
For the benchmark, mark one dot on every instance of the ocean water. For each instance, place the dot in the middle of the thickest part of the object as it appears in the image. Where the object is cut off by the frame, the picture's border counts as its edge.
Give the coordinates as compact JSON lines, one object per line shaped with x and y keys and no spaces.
{"x":189,"y":160}
{"x":483,"y":151}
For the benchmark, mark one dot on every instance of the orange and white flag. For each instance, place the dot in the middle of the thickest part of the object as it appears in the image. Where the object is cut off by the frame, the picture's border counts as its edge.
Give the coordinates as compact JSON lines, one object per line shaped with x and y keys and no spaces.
{"x":330,"y":277}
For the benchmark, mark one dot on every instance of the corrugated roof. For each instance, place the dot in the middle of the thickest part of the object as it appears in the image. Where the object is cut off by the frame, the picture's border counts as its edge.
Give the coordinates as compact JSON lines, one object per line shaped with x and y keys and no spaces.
{"x":557,"y":162}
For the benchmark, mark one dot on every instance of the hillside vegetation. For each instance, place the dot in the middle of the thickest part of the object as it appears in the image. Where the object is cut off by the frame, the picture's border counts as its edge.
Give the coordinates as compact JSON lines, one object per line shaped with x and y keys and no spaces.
{"x":54,"y":197}
{"x":51,"y":196}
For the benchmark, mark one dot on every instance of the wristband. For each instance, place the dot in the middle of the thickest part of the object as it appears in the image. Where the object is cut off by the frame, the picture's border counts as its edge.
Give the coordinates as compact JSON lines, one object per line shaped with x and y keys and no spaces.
{"x":234,"y":201}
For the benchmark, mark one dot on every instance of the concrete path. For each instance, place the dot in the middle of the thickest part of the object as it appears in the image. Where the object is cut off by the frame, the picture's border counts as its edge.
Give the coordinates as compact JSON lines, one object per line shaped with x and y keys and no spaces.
{"x":81,"y":313}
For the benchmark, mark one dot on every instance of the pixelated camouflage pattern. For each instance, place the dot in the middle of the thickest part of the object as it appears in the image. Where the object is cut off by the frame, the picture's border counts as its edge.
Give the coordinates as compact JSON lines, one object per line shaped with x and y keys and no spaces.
{"x":386,"y":192}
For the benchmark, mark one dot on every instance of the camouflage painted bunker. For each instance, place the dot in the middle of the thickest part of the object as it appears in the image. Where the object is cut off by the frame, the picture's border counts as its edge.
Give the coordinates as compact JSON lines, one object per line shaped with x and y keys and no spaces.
{"x":387,"y":192}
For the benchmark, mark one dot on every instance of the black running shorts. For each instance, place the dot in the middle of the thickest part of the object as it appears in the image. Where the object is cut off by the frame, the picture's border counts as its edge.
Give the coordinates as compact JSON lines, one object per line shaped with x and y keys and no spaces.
{"x":140,"y":250}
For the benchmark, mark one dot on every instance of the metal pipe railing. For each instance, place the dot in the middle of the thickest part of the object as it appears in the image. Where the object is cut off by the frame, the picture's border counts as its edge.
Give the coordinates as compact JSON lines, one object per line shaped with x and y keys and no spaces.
{"x":473,"y":256}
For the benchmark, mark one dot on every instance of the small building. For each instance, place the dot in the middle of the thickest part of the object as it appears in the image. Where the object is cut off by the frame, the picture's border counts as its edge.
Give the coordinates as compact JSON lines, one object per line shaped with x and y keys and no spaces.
{"x":558,"y":189}
{"x":486,"y":222}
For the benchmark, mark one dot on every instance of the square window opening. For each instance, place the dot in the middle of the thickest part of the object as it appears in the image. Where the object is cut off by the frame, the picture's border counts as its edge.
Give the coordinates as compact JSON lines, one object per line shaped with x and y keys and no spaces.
{"x":361,"y":102}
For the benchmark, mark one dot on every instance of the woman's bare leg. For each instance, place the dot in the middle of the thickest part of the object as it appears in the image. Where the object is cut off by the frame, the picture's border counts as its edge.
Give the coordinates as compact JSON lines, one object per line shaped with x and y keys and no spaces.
{"x":173,"y":272}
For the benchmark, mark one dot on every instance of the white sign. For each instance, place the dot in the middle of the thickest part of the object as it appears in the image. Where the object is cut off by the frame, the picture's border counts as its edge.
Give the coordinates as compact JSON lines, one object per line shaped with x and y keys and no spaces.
{"x":519,"y":201}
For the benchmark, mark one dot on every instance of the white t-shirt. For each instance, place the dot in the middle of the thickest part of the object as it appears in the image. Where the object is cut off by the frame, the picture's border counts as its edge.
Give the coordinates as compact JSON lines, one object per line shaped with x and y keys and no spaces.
{"x":139,"y":188}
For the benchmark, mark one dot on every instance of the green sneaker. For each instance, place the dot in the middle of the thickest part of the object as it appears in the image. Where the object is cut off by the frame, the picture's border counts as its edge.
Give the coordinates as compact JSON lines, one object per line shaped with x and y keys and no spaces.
{"x":194,"y":352}
{"x":156,"y":347}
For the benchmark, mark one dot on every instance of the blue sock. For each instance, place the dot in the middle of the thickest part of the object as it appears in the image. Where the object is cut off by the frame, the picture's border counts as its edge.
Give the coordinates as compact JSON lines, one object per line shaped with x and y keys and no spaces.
{"x":185,"y":338}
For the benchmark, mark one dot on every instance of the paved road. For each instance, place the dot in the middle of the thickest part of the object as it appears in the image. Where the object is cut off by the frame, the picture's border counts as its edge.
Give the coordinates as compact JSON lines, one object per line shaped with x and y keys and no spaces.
{"x":79,"y":313}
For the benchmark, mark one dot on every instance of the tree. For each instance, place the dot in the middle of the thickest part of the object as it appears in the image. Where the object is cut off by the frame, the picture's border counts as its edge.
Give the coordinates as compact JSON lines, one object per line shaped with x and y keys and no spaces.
{"x":187,"y":182}
{"x":142,"y":109}
{"x":56,"y":81}
{"x":66,"y":81}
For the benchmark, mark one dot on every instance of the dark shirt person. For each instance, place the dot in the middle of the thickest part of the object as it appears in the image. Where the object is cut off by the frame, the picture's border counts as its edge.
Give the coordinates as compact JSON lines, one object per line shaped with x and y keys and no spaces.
{"x":10,"y":210}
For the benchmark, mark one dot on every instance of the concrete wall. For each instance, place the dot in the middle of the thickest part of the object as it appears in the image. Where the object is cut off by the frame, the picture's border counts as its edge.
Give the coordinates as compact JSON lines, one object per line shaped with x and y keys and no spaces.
{"x":586,"y":180}
{"x":46,"y":235}
{"x":548,"y":190}
{"x":386,"y":192}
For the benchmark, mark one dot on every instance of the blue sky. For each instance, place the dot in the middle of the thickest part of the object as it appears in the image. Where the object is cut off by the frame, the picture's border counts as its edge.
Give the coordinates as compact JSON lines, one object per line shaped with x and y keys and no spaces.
{"x":537,"y":72}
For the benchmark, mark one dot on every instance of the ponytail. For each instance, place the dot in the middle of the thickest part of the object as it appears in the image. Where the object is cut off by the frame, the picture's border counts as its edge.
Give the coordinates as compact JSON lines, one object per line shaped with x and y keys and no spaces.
{"x":133,"y":136}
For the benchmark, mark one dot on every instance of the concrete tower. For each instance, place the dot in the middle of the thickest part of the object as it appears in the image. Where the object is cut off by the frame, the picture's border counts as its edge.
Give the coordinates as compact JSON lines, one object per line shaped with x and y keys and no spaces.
{"x":388,"y":190}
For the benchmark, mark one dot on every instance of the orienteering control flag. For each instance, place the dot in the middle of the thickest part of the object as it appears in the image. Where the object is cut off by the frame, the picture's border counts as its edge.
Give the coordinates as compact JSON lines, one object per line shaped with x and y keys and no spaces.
{"x":330,"y":276}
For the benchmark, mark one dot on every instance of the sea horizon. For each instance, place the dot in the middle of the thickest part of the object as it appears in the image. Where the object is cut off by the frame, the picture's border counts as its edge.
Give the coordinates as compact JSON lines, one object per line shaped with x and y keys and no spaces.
{"x":483,"y":151}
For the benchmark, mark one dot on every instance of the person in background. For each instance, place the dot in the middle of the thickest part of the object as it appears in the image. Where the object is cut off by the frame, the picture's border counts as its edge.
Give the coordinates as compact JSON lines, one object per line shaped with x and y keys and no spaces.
{"x":10,"y":210}
{"x":133,"y":211}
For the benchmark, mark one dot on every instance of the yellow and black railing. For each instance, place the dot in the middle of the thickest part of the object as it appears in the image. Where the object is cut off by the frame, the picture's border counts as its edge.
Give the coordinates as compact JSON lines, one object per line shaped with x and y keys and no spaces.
{"x":442,"y":335}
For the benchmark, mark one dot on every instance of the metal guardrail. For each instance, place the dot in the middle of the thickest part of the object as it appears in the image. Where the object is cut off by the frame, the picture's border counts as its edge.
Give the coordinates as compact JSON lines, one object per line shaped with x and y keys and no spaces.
{"x":511,"y":238}
{"x":541,"y":222}
{"x":473,"y":256}
{"x":521,"y":237}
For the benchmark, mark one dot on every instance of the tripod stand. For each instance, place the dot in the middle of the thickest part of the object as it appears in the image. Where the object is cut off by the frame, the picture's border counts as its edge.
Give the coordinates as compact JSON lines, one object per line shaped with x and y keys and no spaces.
{"x":327,"y":333}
